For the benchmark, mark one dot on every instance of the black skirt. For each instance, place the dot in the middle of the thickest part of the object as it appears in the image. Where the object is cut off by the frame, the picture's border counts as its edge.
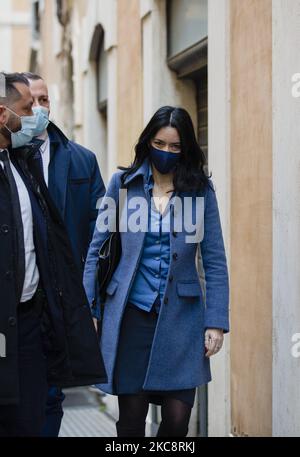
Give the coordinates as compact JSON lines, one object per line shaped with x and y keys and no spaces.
{"x":136,"y":337}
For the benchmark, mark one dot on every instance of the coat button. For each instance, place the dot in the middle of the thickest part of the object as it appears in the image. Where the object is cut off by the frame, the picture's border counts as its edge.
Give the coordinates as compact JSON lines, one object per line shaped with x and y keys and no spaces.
{"x":5,"y":229}
{"x":12,"y":321}
{"x":8,"y":275}
{"x":175,"y":256}
{"x":171,"y":278}
{"x":166,"y":301}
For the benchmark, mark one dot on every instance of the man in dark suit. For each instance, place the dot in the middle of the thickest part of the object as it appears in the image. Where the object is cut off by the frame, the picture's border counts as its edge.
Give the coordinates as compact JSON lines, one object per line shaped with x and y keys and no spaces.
{"x":74,"y":181}
{"x":44,"y":315}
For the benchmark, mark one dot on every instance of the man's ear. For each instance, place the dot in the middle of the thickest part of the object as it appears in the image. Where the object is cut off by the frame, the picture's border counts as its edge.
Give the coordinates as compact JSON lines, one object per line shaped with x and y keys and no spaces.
{"x":3,"y":115}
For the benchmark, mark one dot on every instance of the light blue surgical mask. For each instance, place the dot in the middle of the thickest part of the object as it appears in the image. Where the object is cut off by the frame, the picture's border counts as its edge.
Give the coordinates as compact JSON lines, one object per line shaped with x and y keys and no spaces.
{"x":26,"y":133}
{"x":42,"y":119}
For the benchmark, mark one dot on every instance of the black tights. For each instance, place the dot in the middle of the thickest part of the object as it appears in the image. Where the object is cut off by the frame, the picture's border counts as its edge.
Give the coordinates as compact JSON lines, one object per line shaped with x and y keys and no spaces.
{"x":133,"y":410}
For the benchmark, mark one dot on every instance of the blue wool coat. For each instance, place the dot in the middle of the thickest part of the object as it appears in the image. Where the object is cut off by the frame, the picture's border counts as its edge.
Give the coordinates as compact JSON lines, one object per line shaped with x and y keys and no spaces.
{"x":75,"y":185}
{"x":177,"y":359}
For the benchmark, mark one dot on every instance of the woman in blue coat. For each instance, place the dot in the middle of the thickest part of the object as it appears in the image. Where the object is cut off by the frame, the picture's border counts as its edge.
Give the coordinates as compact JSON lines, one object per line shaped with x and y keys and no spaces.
{"x":160,"y":327}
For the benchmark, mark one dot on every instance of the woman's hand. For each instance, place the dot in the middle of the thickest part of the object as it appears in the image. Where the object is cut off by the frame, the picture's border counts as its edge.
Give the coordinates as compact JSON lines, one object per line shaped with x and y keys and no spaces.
{"x":213,"y":341}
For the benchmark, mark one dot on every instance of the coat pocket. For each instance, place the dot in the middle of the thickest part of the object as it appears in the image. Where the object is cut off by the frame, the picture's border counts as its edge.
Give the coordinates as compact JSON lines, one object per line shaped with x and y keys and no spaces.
{"x":189,"y":289}
{"x":79,"y":180}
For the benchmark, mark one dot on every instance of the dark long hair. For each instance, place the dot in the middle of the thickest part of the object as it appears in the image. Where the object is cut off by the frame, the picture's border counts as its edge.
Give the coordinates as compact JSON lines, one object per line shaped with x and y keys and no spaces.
{"x":189,"y":174}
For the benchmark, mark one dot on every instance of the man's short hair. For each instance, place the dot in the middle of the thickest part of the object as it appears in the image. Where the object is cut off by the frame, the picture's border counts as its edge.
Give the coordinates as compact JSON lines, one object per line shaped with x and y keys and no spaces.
{"x":8,"y":91}
{"x":32,"y":76}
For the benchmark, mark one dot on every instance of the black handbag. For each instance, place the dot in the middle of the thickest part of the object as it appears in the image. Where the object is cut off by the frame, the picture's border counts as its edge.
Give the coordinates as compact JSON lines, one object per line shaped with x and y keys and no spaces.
{"x":109,"y":256}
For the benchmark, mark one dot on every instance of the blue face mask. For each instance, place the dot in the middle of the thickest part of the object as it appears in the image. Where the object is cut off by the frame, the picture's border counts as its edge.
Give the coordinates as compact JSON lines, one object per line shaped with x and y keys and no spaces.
{"x":164,"y":161}
{"x":42,"y":119}
{"x":26,"y":133}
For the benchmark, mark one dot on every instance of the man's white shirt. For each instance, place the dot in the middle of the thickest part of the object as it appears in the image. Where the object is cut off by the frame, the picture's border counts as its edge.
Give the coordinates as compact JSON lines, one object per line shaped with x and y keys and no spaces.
{"x":45,"y":152}
{"x":31,"y":279}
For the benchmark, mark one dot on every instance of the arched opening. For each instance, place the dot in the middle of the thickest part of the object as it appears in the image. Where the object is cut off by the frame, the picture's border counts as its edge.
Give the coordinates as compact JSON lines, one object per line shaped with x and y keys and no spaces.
{"x":99,"y":111}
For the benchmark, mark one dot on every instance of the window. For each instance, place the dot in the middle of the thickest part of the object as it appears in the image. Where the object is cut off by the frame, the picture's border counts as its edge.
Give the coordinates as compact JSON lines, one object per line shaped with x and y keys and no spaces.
{"x":99,"y":56}
{"x":35,"y":20}
{"x":187,"y":36}
{"x":102,"y":78}
{"x":98,"y":97}
{"x":187,"y":24}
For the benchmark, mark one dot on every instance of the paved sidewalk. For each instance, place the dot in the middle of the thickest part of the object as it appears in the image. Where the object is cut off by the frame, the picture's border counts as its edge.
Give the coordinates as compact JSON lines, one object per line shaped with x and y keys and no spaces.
{"x":83,"y":416}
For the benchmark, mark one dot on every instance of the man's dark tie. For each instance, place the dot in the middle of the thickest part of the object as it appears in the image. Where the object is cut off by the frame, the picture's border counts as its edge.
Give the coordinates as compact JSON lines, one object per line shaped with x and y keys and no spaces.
{"x":20,"y":258}
{"x":38,"y":156}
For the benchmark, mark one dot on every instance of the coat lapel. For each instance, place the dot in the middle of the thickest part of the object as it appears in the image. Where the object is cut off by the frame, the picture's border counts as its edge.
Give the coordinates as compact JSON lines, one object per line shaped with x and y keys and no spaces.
{"x":133,"y":242}
{"x":59,"y":173}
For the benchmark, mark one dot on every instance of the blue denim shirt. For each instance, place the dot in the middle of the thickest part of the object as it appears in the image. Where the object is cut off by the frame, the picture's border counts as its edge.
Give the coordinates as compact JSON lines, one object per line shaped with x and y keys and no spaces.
{"x":151,"y":277}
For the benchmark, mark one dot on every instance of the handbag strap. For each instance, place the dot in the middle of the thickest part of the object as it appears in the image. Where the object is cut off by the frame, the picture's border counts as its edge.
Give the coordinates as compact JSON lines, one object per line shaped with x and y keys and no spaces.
{"x":96,"y":289}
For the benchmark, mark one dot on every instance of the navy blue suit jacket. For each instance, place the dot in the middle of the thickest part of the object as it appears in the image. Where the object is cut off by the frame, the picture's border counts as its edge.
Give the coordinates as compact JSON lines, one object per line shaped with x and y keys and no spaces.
{"x":75,"y":185}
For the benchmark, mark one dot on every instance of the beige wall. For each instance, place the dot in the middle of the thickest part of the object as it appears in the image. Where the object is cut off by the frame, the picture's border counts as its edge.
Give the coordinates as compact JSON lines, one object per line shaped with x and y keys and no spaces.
{"x":21,"y":38}
{"x":53,"y":61}
{"x":47,"y":62}
{"x":15,"y":35}
{"x":219,"y":420}
{"x":20,"y":5}
{"x":21,"y":48}
{"x":251,"y":216}
{"x":129,"y":101}
{"x":82,"y":6}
